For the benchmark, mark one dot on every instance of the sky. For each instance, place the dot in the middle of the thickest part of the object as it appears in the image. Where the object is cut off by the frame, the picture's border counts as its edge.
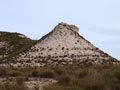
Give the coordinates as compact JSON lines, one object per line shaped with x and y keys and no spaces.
{"x":98,"y":20}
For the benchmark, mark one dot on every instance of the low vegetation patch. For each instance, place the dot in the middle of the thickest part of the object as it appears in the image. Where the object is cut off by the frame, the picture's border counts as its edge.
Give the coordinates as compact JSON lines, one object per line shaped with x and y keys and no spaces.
{"x":17,"y":85}
{"x":95,"y":77}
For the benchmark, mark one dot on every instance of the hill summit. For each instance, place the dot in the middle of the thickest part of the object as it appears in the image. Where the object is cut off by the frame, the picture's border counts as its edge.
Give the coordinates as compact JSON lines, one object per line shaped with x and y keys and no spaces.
{"x":62,"y":46}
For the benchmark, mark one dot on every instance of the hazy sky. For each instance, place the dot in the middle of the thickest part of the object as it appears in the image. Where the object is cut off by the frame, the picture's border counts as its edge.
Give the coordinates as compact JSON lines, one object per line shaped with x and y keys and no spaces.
{"x":98,"y":20}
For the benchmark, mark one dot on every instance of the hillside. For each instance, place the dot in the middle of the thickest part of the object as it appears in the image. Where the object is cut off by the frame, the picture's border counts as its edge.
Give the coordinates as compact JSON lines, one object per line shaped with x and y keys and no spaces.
{"x":60,"y":60}
{"x":62,"y":46}
{"x":13,"y":43}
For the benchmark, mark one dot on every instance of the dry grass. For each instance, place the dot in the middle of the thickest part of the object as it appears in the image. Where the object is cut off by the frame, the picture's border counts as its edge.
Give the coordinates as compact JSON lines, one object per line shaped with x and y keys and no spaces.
{"x":96,"y":77}
{"x":17,"y":85}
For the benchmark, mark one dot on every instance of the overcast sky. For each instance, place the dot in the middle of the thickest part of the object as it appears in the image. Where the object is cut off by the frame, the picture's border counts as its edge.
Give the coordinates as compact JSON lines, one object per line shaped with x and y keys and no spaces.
{"x":98,"y":20}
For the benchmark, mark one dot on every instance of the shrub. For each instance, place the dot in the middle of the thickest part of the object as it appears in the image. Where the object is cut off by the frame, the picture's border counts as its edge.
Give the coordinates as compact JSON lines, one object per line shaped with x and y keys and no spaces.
{"x":35,"y":73}
{"x":64,"y":79}
{"x":47,"y":74}
{"x":3,"y":71}
{"x":82,"y":74}
{"x":116,"y":74}
{"x":14,"y":73}
{"x":51,"y":87}
{"x":43,"y":73}
{"x":59,"y":71}
{"x":19,"y":84}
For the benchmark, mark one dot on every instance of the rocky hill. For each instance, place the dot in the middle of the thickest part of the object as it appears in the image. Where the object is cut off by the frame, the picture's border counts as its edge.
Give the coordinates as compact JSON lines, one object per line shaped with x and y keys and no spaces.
{"x":12,"y":44}
{"x":62,"y":46}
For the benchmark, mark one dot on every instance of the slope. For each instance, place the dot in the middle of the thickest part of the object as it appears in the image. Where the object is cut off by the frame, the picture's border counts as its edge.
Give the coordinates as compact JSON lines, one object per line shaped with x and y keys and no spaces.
{"x":13,"y":43}
{"x":63,"y":46}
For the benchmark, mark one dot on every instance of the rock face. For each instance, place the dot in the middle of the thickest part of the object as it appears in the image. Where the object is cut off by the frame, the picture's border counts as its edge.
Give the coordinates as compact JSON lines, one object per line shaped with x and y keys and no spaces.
{"x":63,"y":45}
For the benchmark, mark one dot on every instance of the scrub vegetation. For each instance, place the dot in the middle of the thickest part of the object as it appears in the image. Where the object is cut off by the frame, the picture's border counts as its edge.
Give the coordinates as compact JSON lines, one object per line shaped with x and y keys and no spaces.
{"x":82,"y":77}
